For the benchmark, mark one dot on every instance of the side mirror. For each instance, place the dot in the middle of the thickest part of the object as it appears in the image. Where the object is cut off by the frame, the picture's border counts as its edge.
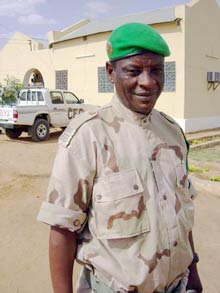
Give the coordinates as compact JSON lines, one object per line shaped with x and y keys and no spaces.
{"x":81,"y":101}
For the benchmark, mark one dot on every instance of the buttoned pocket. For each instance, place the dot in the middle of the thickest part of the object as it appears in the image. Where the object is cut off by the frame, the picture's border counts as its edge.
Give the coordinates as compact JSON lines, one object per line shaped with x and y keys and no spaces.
{"x":119,"y":206}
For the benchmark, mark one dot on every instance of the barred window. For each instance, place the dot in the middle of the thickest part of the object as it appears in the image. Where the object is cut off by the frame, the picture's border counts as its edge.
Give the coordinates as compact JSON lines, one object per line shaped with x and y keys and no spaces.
{"x":104,"y":85}
{"x":170,"y":76}
{"x":62,"y":79}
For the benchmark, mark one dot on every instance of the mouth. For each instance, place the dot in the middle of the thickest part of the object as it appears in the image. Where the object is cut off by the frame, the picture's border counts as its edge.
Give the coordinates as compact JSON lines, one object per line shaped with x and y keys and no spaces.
{"x":145,"y":95}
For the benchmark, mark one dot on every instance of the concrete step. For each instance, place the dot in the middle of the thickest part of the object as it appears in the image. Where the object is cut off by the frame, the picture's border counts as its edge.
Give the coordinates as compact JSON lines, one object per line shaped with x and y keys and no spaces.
{"x":206,"y":144}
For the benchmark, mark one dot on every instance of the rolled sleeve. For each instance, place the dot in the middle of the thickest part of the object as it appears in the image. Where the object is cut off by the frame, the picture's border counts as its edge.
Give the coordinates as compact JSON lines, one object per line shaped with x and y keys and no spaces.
{"x":58,"y":216}
{"x":70,"y":187}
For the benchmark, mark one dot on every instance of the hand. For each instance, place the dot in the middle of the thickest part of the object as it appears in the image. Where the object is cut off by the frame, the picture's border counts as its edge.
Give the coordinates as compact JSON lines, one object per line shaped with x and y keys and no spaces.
{"x":194,"y":282}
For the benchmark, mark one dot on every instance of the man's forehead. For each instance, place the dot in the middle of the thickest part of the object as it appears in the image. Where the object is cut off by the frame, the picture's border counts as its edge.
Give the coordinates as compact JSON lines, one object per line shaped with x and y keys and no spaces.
{"x":144,"y":59}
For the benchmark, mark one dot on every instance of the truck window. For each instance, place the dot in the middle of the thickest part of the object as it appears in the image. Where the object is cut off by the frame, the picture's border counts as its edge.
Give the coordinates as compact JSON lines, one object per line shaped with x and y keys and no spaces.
{"x":34,"y":96}
{"x":29,"y":94}
{"x":56,"y":98}
{"x":70,"y":98}
{"x":23,"y":96}
{"x":40,"y":97}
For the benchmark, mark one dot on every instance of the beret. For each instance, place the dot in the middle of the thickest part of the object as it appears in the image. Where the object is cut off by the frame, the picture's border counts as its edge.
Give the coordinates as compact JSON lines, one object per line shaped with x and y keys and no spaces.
{"x":134,"y":38}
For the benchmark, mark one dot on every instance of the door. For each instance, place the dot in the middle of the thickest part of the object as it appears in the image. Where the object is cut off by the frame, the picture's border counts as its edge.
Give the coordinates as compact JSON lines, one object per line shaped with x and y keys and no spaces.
{"x":58,"y":114}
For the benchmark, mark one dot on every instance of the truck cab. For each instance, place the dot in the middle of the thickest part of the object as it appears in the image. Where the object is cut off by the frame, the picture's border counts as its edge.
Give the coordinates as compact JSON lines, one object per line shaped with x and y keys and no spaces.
{"x":38,"y":109}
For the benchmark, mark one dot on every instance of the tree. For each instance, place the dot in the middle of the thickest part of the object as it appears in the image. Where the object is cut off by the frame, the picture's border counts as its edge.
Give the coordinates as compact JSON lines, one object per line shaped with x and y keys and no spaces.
{"x":11,"y":90}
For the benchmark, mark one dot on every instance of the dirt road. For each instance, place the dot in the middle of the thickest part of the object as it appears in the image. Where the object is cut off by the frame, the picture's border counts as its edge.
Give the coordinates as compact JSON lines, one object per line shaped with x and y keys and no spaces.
{"x":25,"y":168}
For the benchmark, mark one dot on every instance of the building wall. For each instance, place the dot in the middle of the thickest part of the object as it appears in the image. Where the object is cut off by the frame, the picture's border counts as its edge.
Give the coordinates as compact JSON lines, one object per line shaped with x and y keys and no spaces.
{"x":22,"y":55}
{"x":202,"y":106}
{"x":81,"y":57}
{"x":172,"y":103}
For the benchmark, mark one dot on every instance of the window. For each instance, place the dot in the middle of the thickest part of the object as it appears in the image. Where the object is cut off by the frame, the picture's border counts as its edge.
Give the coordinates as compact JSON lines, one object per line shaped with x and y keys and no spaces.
{"x":29,"y":94}
{"x":70,"y":98}
{"x":170,"y":76}
{"x":62,"y":79}
{"x":23,"y":96}
{"x":104,"y":85}
{"x":56,"y":98}
{"x":34,"y":96}
{"x":40,"y":97}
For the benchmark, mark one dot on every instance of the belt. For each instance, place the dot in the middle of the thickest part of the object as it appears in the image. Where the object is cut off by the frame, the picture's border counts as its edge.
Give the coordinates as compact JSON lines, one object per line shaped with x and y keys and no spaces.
{"x":99,"y":286}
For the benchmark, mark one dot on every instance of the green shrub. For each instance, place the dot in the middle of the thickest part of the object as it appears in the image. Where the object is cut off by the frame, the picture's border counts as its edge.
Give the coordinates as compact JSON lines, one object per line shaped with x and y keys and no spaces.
{"x":11,"y":90}
{"x":194,"y":169}
{"x":215,"y":178}
{"x":198,"y":141}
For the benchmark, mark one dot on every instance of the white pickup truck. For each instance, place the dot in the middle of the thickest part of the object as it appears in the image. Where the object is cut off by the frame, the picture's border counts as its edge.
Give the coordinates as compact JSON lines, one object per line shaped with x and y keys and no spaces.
{"x":38,"y":109}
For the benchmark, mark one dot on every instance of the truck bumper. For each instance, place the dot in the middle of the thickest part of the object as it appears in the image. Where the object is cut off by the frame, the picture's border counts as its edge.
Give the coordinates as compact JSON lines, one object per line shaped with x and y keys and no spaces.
{"x":7,"y":126}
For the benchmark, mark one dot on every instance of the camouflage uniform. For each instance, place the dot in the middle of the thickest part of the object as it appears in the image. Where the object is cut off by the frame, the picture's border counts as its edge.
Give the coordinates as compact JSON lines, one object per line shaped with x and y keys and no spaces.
{"x":120,"y":181}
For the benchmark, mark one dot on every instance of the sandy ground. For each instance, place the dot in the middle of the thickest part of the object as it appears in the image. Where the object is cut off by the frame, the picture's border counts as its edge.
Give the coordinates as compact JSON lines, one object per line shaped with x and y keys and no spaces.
{"x":25,"y":169}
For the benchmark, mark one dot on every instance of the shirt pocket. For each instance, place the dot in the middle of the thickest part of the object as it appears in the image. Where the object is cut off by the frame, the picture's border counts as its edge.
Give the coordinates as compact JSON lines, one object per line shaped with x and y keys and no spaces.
{"x":119,"y":206}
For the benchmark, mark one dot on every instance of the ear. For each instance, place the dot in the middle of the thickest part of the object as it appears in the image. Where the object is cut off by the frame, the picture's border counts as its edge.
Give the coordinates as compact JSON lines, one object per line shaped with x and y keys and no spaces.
{"x":110,"y":72}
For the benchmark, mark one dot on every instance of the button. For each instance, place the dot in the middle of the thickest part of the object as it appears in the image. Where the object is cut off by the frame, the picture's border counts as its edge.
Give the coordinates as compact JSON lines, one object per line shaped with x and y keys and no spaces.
{"x":98,"y":196}
{"x":76,"y":223}
{"x":136,"y":187}
{"x":164,"y":197}
{"x":144,"y":123}
{"x":175,"y":243}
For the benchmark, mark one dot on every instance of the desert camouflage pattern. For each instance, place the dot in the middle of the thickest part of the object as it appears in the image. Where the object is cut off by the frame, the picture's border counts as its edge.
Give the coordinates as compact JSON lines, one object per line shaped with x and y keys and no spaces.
{"x":120,"y":181}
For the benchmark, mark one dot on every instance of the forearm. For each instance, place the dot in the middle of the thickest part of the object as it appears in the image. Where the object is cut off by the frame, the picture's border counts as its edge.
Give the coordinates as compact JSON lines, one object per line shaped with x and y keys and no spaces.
{"x":194,"y":281}
{"x":191,"y":242}
{"x":193,"y":264}
{"x":62,"y":249}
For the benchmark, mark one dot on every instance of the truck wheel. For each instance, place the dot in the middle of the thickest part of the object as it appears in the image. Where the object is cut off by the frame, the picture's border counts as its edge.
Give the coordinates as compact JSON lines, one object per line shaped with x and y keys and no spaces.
{"x":13,"y":133}
{"x":40,"y":130}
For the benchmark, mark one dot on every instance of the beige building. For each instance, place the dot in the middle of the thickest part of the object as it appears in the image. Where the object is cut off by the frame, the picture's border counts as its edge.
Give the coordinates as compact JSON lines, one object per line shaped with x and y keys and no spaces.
{"x":75,"y":57}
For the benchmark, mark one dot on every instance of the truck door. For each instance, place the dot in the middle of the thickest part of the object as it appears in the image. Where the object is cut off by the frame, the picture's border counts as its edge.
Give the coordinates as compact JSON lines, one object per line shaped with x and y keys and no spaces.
{"x":59,"y":110}
{"x":74,"y":105}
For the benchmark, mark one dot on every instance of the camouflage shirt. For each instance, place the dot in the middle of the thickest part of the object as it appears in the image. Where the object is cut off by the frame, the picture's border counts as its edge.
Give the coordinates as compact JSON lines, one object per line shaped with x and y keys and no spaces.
{"x":120,"y":180}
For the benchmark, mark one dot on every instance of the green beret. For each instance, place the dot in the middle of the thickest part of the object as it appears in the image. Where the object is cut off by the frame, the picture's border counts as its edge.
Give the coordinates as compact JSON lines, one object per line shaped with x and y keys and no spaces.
{"x":134,"y":38}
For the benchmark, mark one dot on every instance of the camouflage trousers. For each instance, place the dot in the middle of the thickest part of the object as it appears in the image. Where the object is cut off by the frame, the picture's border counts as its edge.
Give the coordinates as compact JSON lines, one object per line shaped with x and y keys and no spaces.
{"x":89,"y":283}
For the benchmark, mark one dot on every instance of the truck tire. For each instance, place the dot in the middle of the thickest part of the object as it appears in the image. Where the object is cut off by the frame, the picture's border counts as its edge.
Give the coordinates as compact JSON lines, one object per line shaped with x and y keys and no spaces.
{"x":13,"y":133}
{"x":40,"y":130}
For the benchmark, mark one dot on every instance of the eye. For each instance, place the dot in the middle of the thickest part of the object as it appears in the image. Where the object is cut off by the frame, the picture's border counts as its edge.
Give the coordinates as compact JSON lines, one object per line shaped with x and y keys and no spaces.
{"x":133,"y":72}
{"x":157,"y":70}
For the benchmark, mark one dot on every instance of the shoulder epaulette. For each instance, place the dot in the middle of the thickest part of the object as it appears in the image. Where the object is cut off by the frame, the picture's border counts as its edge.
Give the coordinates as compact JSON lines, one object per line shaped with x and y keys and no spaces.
{"x":74,"y":125}
{"x":168,"y":117}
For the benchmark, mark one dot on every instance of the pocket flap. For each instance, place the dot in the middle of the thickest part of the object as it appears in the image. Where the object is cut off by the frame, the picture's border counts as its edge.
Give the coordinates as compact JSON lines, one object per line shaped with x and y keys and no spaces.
{"x":117,"y":186}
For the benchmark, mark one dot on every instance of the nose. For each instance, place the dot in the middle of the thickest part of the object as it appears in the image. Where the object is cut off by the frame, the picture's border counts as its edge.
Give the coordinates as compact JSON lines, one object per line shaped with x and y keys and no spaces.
{"x":145,"y":80}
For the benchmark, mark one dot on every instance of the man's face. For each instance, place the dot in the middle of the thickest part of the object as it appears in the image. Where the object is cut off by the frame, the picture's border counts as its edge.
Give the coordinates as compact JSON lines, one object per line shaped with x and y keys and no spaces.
{"x":138,"y":80}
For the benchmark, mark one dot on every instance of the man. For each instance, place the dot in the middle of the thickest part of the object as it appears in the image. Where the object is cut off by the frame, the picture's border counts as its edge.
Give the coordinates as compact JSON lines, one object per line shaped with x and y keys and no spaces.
{"x":119,"y":199}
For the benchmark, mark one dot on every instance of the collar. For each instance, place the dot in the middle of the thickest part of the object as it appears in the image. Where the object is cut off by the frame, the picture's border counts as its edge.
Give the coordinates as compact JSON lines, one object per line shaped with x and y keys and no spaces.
{"x":129,"y":115}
